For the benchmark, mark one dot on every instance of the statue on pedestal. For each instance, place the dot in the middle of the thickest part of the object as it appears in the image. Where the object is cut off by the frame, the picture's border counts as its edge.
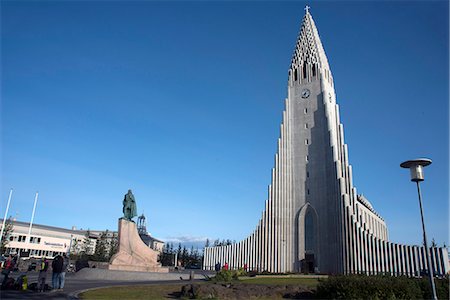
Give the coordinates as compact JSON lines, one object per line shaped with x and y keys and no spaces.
{"x":129,"y":206}
{"x":133,"y":254}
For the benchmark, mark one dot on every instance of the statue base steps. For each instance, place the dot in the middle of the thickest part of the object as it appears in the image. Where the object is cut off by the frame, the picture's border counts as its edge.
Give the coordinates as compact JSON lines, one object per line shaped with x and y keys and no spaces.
{"x":138,"y":268}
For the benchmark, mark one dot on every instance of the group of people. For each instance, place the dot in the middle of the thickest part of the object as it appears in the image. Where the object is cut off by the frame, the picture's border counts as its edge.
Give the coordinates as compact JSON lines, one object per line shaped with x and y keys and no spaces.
{"x":217,"y":267}
{"x":59,"y":268}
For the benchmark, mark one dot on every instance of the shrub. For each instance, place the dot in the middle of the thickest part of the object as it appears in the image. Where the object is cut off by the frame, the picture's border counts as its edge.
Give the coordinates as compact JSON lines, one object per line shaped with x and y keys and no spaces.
{"x":224,"y":276}
{"x":378,"y":287}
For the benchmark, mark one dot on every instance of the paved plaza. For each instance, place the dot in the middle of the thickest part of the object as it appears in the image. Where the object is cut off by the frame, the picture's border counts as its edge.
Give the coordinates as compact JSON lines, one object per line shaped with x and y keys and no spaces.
{"x":94,"y":278}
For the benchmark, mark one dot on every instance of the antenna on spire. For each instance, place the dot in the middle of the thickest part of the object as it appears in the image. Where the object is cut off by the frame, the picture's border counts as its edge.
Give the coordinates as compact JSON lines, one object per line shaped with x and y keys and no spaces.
{"x":307,"y":9}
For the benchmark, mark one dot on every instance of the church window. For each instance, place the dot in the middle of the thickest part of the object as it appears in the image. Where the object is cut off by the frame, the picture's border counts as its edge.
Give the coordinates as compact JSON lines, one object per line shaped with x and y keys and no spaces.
{"x":308,"y":191}
{"x":306,"y":142}
{"x":304,"y":70}
{"x":306,"y":125}
{"x":314,"y":70}
{"x":307,"y":174}
{"x":295,"y":75}
{"x":306,"y":158}
{"x":305,"y":110}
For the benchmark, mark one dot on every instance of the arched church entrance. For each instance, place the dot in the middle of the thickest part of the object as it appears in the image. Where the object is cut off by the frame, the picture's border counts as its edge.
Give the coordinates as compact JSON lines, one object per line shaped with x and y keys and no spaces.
{"x":308,"y":235}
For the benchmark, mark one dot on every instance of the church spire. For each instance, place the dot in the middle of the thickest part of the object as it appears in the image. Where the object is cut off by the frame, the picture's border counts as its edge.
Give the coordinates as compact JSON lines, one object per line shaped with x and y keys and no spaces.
{"x":309,"y":59}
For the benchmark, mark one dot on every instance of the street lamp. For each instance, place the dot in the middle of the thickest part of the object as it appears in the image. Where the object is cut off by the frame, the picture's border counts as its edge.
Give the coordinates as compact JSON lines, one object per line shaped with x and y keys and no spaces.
{"x":416,"y":166}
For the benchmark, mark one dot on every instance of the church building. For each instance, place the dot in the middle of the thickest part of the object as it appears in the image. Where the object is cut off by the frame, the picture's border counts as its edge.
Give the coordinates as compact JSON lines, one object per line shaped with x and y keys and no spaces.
{"x":314,"y":220}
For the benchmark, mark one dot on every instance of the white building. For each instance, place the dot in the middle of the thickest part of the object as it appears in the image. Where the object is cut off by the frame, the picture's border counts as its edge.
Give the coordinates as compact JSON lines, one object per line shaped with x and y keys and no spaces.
{"x":48,"y":241}
{"x":146,"y":237}
{"x":314,"y":220}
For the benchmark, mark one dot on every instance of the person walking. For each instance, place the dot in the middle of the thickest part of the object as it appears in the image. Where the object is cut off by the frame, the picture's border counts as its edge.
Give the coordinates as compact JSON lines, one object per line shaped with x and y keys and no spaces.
{"x":62,"y":277}
{"x":42,"y":275}
{"x":57,"y":266}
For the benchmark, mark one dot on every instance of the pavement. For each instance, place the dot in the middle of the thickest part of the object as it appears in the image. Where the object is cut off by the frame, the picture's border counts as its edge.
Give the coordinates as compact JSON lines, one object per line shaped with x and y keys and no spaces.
{"x":92,"y":278}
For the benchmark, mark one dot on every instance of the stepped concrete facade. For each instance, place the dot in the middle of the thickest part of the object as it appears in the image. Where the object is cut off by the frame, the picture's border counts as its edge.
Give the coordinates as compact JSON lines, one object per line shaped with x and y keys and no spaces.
{"x":314,"y":220}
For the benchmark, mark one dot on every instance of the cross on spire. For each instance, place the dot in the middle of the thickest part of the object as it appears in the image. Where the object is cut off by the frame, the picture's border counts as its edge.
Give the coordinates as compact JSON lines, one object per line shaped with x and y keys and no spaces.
{"x":307,"y":9}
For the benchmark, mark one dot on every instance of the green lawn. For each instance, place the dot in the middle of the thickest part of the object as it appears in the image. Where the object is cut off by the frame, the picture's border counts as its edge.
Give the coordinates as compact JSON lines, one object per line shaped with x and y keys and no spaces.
{"x":134,"y":292}
{"x":172,"y":291}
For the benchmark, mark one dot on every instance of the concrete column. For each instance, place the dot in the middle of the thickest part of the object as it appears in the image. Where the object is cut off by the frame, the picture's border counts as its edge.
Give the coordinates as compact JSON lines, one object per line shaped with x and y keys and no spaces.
{"x":433,"y":259}
{"x":417,"y":261}
{"x":445,"y":261}
{"x":403,"y":256}
{"x":275,"y":205}
{"x":400,"y":259}
{"x":372,"y":256}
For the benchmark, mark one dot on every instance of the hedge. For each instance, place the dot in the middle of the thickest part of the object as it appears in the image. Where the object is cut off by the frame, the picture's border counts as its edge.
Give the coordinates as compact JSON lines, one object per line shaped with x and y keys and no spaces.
{"x":379,"y":287}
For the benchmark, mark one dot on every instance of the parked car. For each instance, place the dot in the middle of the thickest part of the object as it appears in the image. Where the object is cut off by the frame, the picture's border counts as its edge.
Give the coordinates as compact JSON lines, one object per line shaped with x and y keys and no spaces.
{"x":194,"y":266}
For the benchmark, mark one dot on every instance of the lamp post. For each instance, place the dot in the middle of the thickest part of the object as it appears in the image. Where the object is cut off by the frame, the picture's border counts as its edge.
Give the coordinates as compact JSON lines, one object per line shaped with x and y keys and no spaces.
{"x":416,"y":169}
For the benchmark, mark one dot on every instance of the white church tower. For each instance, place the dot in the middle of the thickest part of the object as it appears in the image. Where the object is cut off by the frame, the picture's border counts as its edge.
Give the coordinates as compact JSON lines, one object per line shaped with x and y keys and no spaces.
{"x":314,"y":221}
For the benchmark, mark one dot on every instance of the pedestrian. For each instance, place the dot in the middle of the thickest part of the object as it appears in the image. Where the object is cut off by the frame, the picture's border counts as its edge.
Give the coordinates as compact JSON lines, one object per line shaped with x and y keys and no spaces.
{"x":217,"y":267}
{"x":225,"y":266}
{"x":42,"y":274}
{"x":245,"y":267}
{"x":8,"y":266}
{"x":62,"y":277}
{"x":57,"y":266}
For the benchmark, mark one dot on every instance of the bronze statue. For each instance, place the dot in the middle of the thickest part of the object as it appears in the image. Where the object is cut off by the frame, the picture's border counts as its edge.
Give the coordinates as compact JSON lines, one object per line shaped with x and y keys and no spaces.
{"x":129,"y":206}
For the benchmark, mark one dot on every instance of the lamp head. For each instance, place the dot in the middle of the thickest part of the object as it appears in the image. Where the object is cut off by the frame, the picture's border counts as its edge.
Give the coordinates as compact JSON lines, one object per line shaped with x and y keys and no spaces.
{"x":415,"y":167}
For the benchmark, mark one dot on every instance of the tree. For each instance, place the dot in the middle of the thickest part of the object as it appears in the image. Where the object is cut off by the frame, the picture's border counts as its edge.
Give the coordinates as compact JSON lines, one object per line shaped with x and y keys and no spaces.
{"x":166,"y":255}
{"x":101,"y":248}
{"x":87,"y":247}
{"x":113,"y":246}
{"x":9,"y":228}
{"x":184,"y":256}
{"x":74,"y":248}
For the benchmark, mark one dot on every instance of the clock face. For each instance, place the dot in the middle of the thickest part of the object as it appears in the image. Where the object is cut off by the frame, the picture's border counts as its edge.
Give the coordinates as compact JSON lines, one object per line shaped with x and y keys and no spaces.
{"x":305,"y":93}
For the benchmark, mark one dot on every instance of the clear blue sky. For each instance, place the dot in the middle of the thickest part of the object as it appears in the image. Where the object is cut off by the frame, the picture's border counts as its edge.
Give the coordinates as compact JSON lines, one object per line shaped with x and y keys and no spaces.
{"x":182,"y":103}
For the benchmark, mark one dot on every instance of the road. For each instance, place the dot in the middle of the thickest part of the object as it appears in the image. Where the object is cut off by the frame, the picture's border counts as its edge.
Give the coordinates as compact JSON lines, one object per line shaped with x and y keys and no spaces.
{"x":73,"y":285}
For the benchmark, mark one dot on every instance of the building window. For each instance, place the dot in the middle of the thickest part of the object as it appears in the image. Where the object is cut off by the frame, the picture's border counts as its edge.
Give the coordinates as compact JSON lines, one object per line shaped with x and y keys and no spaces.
{"x":306,"y":142}
{"x":306,"y":125}
{"x":306,"y":158}
{"x":305,"y":110}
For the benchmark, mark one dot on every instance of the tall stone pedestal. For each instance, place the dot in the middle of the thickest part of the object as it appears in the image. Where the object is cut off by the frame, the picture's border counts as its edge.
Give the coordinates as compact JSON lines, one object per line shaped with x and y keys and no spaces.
{"x":133,"y":254}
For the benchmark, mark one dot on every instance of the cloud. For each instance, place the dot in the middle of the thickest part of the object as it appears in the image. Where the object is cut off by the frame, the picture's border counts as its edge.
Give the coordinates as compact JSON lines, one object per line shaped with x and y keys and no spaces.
{"x":185,"y":239}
